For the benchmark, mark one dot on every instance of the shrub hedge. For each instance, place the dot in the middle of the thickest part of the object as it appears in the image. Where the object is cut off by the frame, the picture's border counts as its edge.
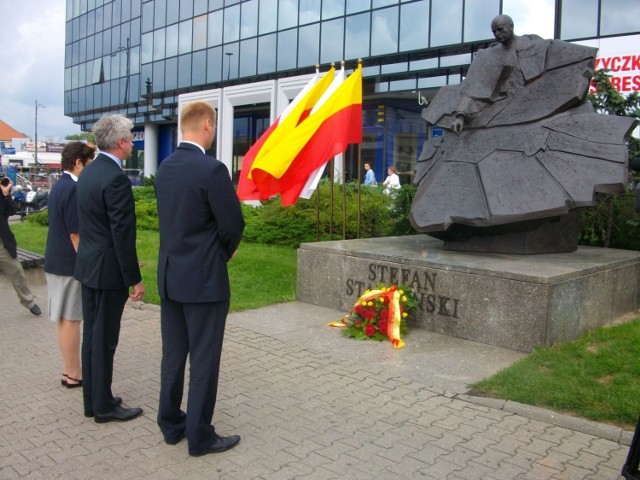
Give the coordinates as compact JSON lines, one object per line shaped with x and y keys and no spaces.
{"x":380,"y":216}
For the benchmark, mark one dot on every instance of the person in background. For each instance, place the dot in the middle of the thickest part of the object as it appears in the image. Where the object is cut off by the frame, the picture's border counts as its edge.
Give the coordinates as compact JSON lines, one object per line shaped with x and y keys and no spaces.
{"x":199,"y":234}
{"x":370,"y":176}
{"x":392,"y":182}
{"x":106,"y":264}
{"x":9,"y":263}
{"x":65,"y":292}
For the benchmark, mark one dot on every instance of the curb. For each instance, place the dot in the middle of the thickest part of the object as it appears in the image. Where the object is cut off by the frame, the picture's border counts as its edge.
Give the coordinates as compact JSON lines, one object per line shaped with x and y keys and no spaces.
{"x":589,"y":427}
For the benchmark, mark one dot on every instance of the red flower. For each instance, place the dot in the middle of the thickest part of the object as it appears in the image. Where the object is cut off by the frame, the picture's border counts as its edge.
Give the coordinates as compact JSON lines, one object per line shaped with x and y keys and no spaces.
{"x":366,"y":313}
{"x":384,"y":314}
{"x":383,"y":325}
{"x":369,"y":330}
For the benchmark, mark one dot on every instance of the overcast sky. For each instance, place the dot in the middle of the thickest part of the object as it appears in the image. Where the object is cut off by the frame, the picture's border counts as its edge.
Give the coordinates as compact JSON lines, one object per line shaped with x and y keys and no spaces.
{"x":32,"y":36}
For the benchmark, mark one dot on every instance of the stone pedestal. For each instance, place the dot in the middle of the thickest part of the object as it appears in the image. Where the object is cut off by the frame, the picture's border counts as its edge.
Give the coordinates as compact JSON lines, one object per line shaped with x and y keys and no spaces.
{"x":507,"y":300}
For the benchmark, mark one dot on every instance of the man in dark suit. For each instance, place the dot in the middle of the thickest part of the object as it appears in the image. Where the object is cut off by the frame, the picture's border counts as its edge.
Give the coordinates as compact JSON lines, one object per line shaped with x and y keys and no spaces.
{"x":200,"y":228}
{"x":106,"y":264}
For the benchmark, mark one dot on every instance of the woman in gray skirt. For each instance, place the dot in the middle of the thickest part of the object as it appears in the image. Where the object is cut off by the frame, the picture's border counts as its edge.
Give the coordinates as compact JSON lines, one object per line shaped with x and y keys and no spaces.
{"x":65,"y":301}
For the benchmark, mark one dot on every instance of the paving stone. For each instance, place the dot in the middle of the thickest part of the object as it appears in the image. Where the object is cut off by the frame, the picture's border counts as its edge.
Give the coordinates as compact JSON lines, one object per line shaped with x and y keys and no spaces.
{"x":303,"y":413}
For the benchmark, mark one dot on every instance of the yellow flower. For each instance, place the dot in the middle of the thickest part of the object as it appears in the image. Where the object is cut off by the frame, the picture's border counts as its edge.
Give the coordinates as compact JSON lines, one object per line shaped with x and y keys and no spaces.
{"x":370,"y":303}
{"x":400,"y":292}
{"x":381,"y":300}
{"x":364,"y":303}
{"x":405,"y":314}
{"x":404,"y":298}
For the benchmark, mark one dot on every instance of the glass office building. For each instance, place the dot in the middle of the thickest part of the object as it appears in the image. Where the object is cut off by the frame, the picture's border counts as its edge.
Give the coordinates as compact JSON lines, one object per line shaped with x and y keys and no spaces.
{"x":144,"y":58}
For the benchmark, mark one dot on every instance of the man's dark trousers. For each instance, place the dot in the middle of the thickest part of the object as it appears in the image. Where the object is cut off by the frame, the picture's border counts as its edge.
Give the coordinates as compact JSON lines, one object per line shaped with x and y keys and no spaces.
{"x":196,"y":329}
{"x":102,"y":312}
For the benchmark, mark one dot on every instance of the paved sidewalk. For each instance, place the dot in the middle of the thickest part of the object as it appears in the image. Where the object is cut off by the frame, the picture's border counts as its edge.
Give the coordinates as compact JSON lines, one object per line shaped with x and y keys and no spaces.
{"x":308,"y":404}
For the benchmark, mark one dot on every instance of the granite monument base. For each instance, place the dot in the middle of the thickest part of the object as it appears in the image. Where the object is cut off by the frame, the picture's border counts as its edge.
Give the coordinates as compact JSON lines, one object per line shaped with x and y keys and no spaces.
{"x":507,"y":300}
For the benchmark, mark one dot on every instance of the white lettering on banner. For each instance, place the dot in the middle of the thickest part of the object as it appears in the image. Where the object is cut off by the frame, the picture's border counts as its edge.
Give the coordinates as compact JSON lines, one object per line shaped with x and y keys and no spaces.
{"x":137,"y":136}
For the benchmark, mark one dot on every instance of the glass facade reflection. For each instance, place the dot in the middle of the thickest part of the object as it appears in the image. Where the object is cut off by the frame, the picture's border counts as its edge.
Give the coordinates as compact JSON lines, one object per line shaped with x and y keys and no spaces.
{"x":136,"y":56}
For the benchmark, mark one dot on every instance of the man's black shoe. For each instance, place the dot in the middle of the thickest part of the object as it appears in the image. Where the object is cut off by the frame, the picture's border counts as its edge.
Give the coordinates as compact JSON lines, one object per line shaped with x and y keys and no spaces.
{"x":36,"y":310}
{"x":220,"y":444}
{"x":118,"y":414}
{"x":117,"y":401}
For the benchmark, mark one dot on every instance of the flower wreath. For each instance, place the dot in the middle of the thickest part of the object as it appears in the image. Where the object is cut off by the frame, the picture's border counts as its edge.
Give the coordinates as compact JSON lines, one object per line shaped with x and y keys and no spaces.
{"x":380,"y":314}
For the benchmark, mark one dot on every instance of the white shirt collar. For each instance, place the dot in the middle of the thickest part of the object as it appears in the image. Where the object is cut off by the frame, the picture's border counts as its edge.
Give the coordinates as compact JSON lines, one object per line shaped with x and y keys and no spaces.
{"x":193,"y":143}
{"x":75,"y":179}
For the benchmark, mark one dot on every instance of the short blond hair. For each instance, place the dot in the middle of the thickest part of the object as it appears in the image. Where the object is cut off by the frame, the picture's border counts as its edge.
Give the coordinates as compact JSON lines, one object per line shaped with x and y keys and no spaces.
{"x":193,"y":113}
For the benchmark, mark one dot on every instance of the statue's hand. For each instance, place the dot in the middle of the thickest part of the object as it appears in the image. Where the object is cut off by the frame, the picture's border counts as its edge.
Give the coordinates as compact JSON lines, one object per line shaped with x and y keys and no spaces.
{"x":457,"y":124}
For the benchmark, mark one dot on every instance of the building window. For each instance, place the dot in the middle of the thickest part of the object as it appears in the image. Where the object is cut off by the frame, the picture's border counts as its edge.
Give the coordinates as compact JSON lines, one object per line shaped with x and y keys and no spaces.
{"x":186,"y":9}
{"x":248,"y":57}
{"x":160,"y":14}
{"x":331,"y":45}
{"x":215,"y":28}
{"x":200,"y":32}
{"x":446,"y":25}
{"x":477,"y":19}
{"x":249,"y":19}
{"x":357,"y":34}
{"x":268,"y":22}
{"x":199,"y":68}
{"x":619,"y":16}
{"x":384,"y":31}
{"x":579,"y":19}
{"x":309,"y":38}
{"x":214,"y":65}
{"x":414,"y":26}
{"x":184,"y":71}
{"x":172,"y":40}
{"x":354,"y":6}
{"x":231,"y":24}
{"x":185,"y":34}
{"x":309,"y":11}
{"x":158,"y":44}
{"x":171,"y":73}
{"x":267,"y":53}
{"x":147,"y":17}
{"x":332,"y":9}
{"x":173,"y":12}
{"x":286,"y":56}
{"x":287,"y":14}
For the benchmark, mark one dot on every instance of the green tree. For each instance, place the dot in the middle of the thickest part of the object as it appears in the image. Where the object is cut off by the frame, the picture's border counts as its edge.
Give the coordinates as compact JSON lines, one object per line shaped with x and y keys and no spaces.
{"x":597,"y":224}
{"x":88,"y":136}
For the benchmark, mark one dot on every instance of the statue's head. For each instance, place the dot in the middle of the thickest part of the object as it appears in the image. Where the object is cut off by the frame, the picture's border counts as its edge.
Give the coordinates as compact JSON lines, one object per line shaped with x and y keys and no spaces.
{"x":502,"y":28}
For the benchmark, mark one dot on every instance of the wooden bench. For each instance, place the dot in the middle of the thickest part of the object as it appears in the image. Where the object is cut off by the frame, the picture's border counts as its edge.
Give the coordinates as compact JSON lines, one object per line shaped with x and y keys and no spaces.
{"x":29,"y":259}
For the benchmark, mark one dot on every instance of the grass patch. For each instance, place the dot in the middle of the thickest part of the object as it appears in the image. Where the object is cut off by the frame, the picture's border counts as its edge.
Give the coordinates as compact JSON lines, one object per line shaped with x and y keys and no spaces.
{"x":595,"y":377}
{"x":30,"y":236}
{"x":260,"y":275}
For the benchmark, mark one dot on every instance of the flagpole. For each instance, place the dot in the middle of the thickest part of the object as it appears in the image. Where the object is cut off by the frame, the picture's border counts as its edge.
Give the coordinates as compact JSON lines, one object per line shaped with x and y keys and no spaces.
{"x":344,"y":183}
{"x":359,"y":179}
{"x":331,"y":178}
{"x":318,"y":213}
{"x":344,"y":198}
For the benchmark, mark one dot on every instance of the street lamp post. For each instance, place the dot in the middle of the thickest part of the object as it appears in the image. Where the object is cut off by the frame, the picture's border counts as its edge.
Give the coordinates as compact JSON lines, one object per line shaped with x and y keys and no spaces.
{"x":228,"y":54}
{"x":36,"y":135}
{"x":127,"y":50}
